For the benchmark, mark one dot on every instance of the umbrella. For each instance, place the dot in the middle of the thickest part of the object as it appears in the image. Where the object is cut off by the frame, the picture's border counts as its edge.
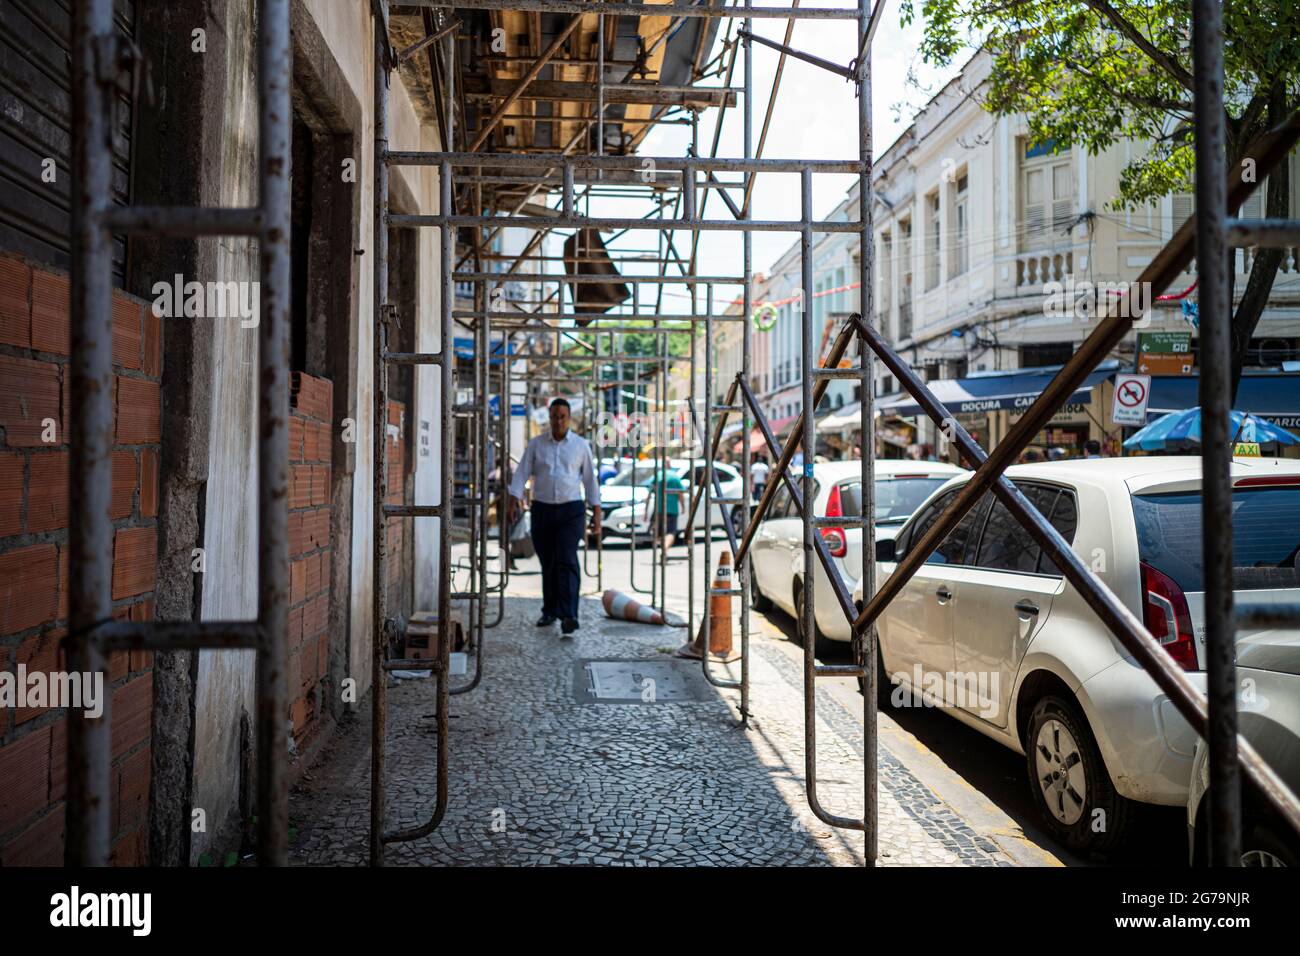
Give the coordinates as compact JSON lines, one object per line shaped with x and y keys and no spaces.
{"x":1180,"y":429}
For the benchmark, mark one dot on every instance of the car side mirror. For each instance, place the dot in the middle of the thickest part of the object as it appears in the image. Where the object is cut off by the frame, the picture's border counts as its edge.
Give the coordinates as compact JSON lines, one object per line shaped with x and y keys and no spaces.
{"x":886,"y":549}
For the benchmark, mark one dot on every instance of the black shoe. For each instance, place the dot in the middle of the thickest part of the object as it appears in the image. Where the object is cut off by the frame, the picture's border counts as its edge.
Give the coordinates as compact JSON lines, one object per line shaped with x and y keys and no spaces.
{"x":569,"y":626}
{"x":545,"y":620}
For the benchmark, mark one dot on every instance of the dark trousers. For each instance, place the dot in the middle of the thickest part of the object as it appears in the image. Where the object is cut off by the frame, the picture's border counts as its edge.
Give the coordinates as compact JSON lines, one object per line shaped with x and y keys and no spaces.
{"x":557,"y":532}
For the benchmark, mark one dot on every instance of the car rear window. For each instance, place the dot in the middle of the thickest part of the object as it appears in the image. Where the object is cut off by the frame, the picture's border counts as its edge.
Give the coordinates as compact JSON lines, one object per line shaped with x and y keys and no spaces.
{"x":1265,"y":537}
{"x":896,"y":498}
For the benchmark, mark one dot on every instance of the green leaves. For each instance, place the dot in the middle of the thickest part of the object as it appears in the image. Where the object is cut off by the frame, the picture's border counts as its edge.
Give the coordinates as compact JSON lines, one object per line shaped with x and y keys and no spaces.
{"x":1091,"y":73}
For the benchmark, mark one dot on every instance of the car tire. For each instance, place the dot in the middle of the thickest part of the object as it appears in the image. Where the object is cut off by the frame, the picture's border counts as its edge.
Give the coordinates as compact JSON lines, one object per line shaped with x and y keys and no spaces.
{"x":737,"y":521}
{"x":1068,"y":779}
{"x":823,"y":647}
{"x":759,"y":601}
{"x":1262,"y":846}
{"x":884,"y":689}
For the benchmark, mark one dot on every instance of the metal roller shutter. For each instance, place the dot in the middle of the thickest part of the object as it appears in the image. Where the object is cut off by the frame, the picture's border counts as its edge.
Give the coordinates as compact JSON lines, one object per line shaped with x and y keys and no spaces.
{"x":35,"y":120}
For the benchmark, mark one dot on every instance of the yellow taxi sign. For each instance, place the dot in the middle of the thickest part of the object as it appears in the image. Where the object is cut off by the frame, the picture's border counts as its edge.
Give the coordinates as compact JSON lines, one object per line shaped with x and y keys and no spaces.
{"x":1246,"y":449}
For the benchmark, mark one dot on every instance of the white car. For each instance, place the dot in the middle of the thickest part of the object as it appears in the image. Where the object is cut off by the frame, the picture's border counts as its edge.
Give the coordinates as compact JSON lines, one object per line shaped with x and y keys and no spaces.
{"x":626,"y":503}
{"x":1268,"y":715}
{"x":990,"y":631}
{"x":776,"y":555}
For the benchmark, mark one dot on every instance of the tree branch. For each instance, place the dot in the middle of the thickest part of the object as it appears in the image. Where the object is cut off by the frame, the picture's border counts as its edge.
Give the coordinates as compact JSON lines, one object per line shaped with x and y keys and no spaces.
{"x":1162,"y":59}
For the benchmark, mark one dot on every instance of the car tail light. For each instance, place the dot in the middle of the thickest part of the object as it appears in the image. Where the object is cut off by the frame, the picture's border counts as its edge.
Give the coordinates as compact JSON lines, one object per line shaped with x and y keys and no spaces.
{"x":1265,"y":481}
{"x":1166,"y":616}
{"x":834,"y":537}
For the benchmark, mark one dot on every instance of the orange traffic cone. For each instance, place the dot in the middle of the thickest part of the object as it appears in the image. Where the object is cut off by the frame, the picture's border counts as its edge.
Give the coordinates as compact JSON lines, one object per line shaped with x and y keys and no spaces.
{"x":619,"y":605}
{"x":720,"y":648}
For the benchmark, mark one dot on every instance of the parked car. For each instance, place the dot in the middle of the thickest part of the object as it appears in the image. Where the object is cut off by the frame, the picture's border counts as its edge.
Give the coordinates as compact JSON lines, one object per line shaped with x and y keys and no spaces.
{"x":776,"y":555}
{"x":1268,"y":715}
{"x":626,"y":502}
{"x":990,"y":631}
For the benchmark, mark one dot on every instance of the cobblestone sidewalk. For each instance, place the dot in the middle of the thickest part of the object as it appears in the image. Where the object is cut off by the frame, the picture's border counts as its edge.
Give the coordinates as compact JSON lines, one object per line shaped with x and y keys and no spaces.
{"x":540,"y":775}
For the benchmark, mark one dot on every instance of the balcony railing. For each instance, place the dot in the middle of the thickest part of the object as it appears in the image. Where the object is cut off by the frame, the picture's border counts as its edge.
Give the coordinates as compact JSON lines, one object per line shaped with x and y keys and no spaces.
{"x":1033,"y":269}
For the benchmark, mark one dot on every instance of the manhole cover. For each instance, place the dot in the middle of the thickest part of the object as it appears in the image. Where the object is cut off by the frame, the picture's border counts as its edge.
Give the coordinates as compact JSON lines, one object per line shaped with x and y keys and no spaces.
{"x":639,"y":681}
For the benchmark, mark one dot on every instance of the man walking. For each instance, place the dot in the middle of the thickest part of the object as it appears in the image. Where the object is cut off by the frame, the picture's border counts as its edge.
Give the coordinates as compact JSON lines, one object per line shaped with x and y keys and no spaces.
{"x":559,"y":463}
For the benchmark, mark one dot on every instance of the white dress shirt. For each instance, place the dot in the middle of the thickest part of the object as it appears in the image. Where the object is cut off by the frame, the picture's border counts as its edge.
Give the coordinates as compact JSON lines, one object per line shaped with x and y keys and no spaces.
{"x":560,"y":470}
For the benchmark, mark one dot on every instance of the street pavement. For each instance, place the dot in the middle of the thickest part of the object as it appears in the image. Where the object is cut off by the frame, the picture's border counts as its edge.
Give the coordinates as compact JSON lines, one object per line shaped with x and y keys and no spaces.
{"x":543,"y":772}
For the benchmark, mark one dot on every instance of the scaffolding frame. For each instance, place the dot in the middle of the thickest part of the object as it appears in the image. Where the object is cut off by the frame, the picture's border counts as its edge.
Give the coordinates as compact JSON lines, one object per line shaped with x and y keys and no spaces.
{"x":97,"y":55}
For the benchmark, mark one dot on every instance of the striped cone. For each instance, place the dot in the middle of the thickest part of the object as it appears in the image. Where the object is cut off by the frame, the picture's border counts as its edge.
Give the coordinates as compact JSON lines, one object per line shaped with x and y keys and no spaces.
{"x":720,"y":646}
{"x":618,"y":605}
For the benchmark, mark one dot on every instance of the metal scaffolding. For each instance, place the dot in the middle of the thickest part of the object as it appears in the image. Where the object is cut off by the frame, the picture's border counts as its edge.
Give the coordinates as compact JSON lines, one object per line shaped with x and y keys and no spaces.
{"x":477,"y":193}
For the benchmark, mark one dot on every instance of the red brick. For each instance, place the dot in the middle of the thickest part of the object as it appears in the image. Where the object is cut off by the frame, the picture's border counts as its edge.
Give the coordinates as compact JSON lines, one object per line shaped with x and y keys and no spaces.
{"x":295,"y":534}
{"x":29,"y":587}
{"x":11,"y":491}
{"x":320,"y":484}
{"x":24,"y":777}
{"x":132,"y":792}
{"x":300,"y":486}
{"x":41,"y":844}
{"x":294,"y":675}
{"x":125,"y":470}
{"x":126,"y":331}
{"x":316,"y":529}
{"x":311,"y":396}
{"x":135,"y":558}
{"x":130,"y":849}
{"x":51,"y":330}
{"x":47,"y":491}
{"x":323,"y":656}
{"x":139,"y":411}
{"x":42,"y":653}
{"x":59,"y":760}
{"x":316,"y":616}
{"x":299,"y":713}
{"x":64,"y":571}
{"x":29,"y":394}
{"x":295,"y":626}
{"x":142,"y":611}
{"x":131,"y":713}
{"x":152,"y":364}
{"x":148,"y":483}
{"x":324,"y":442}
{"x":295,"y":437}
{"x":15,"y":303}
{"x":298,"y":580}
{"x":313,"y":575}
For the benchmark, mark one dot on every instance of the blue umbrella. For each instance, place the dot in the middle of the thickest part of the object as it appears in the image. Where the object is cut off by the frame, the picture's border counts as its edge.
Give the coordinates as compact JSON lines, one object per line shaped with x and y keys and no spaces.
{"x":1180,"y":429}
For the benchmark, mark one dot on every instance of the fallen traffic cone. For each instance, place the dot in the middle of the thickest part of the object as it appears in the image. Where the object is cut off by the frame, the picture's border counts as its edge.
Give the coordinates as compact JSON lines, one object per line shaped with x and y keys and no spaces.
{"x":619,"y":605}
{"x":719,"y":620}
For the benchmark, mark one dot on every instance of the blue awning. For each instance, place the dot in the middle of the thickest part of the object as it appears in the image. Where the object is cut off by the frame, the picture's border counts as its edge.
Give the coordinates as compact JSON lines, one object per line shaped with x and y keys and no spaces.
{"x":1272,"y":396}
{"x":991,"y":391}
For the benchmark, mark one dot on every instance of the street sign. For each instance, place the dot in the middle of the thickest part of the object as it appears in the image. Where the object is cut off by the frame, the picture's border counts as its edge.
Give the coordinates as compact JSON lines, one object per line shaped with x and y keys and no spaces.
{"x":1165,"y":343}
{"x":1132,"y":392}
{"x":1160,"y":363}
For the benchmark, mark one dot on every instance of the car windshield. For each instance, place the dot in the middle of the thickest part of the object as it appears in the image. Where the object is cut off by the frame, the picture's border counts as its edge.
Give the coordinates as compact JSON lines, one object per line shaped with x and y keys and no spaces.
{"x":644,"y":476}
{"x":1265,"y":537}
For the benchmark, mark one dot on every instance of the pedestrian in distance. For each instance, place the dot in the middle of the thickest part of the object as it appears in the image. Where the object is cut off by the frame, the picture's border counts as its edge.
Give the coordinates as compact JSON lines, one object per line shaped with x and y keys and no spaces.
{"x":560,"y":466}
{"x":758,"y":472}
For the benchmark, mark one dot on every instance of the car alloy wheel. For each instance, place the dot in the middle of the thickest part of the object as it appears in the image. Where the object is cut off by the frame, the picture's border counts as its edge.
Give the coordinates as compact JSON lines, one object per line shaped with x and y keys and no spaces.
{"x":1060,"y":773}
{"x":1261,"y":858}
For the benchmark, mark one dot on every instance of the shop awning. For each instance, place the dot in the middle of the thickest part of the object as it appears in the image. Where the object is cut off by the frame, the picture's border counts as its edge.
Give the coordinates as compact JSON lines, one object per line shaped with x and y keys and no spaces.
{"x":845,"y":418}
{"x":991,"y":391}
{"x":1272,"y":396}
{"x":756,"y":442}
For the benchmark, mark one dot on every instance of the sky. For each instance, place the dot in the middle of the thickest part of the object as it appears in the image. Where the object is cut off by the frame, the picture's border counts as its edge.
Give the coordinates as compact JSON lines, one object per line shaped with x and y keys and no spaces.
{"x":815,"y":118}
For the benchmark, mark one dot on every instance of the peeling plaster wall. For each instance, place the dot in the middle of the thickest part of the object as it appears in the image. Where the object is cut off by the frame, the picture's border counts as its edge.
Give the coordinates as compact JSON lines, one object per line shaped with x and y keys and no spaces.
{"x":347,"y":30}
{"x":226,"y":680}
{"x":224,"y":690}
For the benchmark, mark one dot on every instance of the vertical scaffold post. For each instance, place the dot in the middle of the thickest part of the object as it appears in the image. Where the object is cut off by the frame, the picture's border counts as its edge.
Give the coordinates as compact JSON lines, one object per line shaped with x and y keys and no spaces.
{"x":379,"y":492}
{"x":1216,"y":452}
{"x":865,"y":642}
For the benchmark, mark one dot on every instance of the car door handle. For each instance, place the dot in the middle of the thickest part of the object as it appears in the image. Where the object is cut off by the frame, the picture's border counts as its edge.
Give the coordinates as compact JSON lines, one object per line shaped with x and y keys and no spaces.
{"x":944,"y":595}
{"x":1027,"y":607}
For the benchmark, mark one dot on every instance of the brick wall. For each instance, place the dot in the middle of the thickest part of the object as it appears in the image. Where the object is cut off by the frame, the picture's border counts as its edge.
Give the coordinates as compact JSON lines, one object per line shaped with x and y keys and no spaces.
{"x":34,"y":408}
{"x":310,"y":449}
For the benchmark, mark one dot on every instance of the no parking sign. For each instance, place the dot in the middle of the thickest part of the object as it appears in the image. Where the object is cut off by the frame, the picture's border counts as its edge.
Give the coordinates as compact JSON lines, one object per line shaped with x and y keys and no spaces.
{"x":1132,"y":392}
